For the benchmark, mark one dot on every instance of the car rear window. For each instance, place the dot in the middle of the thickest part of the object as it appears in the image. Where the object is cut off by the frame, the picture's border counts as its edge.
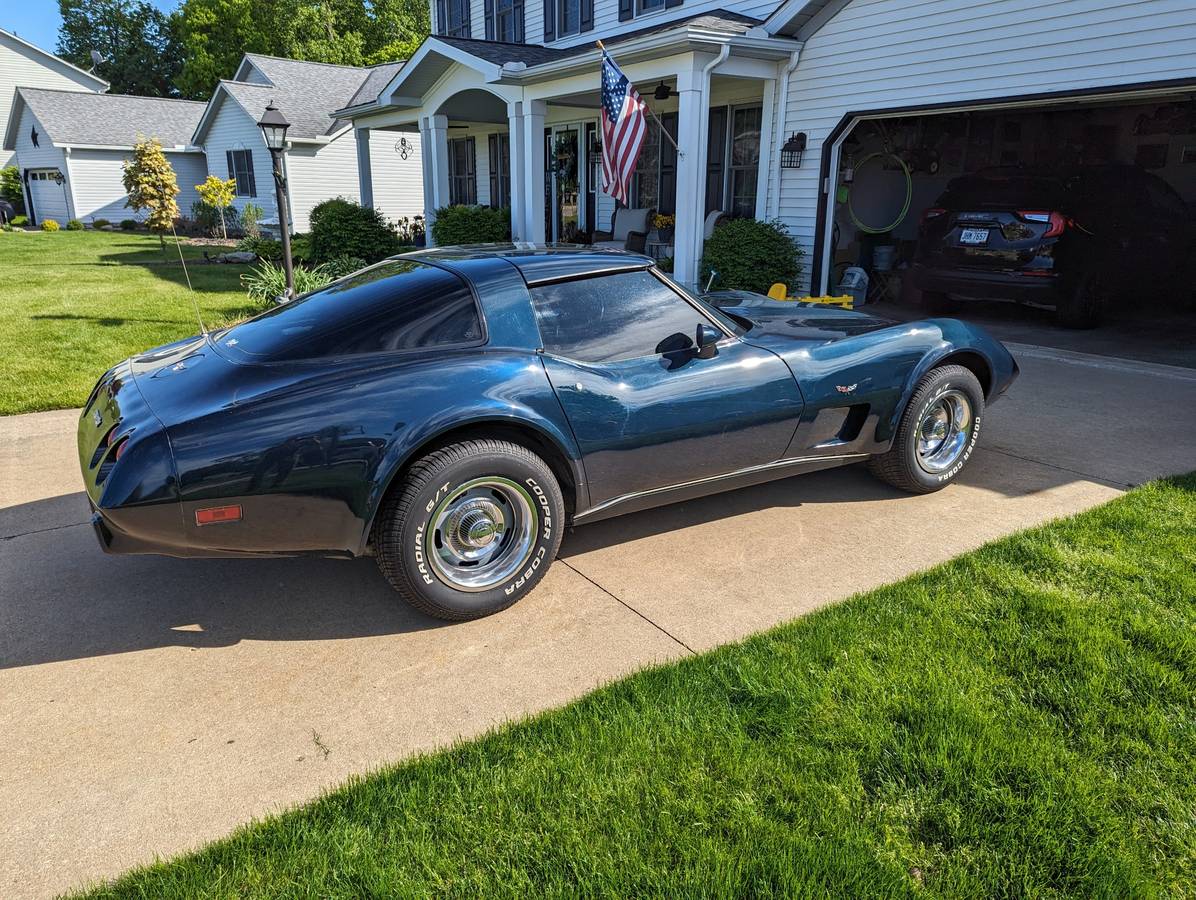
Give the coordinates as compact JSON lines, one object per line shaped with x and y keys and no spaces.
{"x":1018,"y":191}
{"x":395,"y":305}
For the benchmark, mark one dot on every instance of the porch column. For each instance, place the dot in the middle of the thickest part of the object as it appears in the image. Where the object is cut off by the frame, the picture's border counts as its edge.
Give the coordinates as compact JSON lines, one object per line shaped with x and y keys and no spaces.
{"x":533,"y":169}
{"x":693,"y":112}
{"x":365,"y":174}
{"x":434,"y":144}
{"x":518,"y":176}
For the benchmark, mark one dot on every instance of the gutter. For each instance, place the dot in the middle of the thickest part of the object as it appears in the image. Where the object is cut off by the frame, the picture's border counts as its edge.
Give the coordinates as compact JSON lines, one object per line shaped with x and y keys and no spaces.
{"x":773,"y":207}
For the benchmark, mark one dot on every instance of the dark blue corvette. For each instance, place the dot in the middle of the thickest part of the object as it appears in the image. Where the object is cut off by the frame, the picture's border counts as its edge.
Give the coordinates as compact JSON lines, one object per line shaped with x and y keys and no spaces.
{"x":452,"y":411}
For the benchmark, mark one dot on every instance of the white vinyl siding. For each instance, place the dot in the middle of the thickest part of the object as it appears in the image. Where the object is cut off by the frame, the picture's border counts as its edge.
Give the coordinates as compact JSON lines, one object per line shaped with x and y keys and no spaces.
{"x":96,"y":180}
{"x":49,"y":199}
{"x":398,"y":182}
{"x":234,"y":129}
{"x":22,"y":67}
{"x":607,"y":24}
{"x":876,"y":54}
{"x":318,"y":172}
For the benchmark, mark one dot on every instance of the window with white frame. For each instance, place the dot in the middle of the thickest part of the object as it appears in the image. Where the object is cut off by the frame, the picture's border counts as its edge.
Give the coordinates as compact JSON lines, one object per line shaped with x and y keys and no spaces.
{"x":452,"y":18}
{"x":504,"y":21}
{"x":240,"y":169}
{"x":568,"y":17}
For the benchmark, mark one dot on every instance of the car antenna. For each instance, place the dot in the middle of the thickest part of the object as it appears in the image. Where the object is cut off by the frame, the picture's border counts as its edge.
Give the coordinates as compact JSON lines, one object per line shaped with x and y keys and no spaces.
{"x":187,"y":275}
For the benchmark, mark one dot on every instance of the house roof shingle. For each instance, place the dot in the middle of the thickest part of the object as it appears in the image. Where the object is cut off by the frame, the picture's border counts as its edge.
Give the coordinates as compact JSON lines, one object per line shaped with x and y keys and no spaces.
{"x":116,"y":120}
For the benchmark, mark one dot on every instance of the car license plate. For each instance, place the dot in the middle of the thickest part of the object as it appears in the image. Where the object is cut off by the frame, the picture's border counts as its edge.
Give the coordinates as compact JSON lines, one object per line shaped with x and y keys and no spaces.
{"x":973,"y":236}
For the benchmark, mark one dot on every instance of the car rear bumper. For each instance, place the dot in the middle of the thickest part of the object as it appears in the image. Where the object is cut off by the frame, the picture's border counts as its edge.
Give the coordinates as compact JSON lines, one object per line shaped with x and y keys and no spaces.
{"x":973,"y":284}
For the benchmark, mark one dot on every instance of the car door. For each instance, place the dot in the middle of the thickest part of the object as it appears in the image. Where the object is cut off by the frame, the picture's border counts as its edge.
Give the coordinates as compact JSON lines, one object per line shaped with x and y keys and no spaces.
{"x":646,"y":410}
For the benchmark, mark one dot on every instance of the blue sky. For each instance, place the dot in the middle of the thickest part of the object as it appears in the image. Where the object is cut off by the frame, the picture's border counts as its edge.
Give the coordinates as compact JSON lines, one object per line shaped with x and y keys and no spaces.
{"x":37,"y":21}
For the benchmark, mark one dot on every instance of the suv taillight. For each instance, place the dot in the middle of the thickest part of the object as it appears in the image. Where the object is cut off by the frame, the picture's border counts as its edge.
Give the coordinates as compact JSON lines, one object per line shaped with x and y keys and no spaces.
{"x":1056,"y":222}
{"x":932,"y":213}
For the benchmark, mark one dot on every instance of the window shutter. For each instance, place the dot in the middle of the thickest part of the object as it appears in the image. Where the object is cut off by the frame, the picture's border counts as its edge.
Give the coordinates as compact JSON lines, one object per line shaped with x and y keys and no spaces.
{"x":249,"y":173}
{"x":626,"y":10}
{"x":228,"y":158}
{"x":669,"y":4}
{"x":471,"y":164}
{"x":493,"y":140}
{"x":549,"y":20}
{"x":489,"y":20}
{"x":587,"y":15}
{"x":468,"y":24}
{"x":517,"y":12}
{"x":441,"y":17}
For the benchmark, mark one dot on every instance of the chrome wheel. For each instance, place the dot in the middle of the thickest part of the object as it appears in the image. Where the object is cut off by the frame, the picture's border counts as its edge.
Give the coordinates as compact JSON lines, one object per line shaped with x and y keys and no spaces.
{"x":944,"y":431}
{"x":481,"y":534}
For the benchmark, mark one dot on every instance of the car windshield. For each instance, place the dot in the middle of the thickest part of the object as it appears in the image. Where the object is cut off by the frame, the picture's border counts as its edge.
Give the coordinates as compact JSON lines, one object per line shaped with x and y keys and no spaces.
{"x":395,"y":305}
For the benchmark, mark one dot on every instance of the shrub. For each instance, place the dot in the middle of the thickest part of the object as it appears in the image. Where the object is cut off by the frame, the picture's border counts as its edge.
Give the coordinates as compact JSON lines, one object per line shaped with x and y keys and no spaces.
{"x":343,"y":265}
{"x":750,"y":255}
{"x":301,"y":248}
{"x":218,"y":193}
{"x":267,"y":281}
{"x":74,"y":225}
{"x":341,"y":227}
{"x":471,"y":225}
{"x":251,"y":216}
{"x":10,"y":188}
{"x":18,"y":221}
{"x":5,"y":227}
{"x":100,"y":223}
{"x":265,"y":248}
{"x":49,"y":225}
{"x":128,"y":224}
{"x":207,"y":219}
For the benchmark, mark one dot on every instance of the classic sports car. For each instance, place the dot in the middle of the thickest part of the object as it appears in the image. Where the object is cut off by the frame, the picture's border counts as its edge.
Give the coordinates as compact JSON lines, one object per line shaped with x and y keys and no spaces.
{"x":451,"y":411}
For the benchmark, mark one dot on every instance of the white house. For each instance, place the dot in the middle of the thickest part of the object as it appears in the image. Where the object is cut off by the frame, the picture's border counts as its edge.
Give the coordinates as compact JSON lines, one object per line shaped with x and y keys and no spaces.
{"x":505,"y":99}
{"x":321,"y":159}
{"x":71,"y":147}
{"x":22,"y":63}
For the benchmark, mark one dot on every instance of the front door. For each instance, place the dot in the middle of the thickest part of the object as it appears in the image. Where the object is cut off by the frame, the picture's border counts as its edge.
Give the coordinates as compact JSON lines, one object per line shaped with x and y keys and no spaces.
{"x":566,"y":176}
{"x":646,"y":412}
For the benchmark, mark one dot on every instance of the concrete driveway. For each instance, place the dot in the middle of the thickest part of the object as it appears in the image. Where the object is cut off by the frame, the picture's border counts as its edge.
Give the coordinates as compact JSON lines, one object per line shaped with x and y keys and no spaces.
{"x":150,"y":704}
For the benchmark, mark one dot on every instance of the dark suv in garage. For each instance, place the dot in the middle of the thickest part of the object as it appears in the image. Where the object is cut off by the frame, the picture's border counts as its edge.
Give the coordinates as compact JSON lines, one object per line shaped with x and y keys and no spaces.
{"x":1070,"y":240}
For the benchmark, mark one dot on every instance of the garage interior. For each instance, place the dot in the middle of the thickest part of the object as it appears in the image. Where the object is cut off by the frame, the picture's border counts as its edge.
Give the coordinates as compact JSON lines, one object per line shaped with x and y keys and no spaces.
{"x":888,"y":170}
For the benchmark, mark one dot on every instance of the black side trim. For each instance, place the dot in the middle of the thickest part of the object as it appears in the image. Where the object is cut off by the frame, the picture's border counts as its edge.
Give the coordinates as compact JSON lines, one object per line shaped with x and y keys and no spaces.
{"x":626,"y":10}
{"x":549,"y":20}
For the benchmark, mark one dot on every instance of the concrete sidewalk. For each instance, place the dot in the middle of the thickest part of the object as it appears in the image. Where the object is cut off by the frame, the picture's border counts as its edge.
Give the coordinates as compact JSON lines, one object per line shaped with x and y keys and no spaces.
{"x":151,"y":704}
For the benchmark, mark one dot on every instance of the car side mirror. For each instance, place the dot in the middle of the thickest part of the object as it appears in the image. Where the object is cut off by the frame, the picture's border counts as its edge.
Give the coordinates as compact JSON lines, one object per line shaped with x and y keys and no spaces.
{"x":706,"y":341}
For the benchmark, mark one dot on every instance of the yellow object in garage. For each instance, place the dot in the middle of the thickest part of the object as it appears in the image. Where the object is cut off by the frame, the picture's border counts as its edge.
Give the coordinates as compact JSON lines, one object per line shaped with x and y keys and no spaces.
{"x":846,"y":301}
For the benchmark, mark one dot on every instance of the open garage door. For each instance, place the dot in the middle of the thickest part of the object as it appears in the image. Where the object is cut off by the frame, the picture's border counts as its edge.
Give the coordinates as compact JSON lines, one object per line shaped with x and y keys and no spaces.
{"x":1072,"y":211}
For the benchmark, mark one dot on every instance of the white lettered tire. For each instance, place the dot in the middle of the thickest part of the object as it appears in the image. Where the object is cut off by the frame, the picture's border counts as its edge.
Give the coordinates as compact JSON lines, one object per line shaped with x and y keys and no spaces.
{"x":937,"y":434}
{"x":473,"y":527}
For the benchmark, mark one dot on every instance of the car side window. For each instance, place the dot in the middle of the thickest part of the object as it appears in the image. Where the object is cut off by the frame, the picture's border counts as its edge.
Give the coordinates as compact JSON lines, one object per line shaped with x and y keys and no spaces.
{"x":395,"y":305}
{"x":608,"y":318}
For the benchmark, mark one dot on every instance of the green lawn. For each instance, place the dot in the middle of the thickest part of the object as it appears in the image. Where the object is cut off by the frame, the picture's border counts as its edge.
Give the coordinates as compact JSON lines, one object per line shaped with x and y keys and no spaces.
{"x":1019,"y":722}
{"x":72,"y":303}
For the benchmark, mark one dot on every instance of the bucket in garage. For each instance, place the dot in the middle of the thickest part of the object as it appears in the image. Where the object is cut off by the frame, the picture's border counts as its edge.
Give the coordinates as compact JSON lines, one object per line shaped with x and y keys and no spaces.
{"x":883,"y":256}
{"x":855,"y":283}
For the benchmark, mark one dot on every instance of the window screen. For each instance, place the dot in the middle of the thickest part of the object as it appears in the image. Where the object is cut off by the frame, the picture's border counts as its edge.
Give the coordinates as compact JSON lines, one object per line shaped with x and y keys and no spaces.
{"x":611,"y":317}
{"x":395,"y":305}
{"x":240,"y":169}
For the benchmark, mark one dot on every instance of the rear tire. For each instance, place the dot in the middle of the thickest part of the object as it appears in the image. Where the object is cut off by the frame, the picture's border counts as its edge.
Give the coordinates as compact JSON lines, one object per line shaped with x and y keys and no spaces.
{"x":937,"y":303}
{"x":473,"y":527}
{"x":1081,"y":306}
{"x":937,"y":433}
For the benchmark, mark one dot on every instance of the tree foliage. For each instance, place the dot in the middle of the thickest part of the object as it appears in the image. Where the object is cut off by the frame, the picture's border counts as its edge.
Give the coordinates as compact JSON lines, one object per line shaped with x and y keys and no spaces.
{"x":214,"y":34}
{"x":136,"y":40}
{"x":151,"y":184}
{"x":218,"y":193}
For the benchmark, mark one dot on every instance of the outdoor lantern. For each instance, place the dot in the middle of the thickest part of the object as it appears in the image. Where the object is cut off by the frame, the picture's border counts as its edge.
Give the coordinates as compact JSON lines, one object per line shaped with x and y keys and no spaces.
{"x":274,"y":128}
{"x":792,"y":151}
{"x":662,"y":92}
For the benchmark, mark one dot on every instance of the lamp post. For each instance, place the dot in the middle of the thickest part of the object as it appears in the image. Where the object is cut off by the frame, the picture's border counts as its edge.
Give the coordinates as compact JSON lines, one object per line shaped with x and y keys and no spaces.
{"x":274,"y":129}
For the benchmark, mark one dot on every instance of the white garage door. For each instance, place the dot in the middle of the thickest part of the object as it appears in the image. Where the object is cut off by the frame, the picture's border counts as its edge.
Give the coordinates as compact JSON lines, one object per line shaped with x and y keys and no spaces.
{"x":49,"y":197}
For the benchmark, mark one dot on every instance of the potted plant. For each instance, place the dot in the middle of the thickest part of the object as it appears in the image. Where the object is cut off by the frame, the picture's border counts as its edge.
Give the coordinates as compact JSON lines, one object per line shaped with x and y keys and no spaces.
{"x":664,"y":227}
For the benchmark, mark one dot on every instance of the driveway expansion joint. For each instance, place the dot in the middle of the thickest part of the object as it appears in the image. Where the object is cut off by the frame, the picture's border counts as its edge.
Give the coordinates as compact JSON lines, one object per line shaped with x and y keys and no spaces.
{"x":1099,"y":479}
{"x":13,"y":537}
{"x":628,"y":606}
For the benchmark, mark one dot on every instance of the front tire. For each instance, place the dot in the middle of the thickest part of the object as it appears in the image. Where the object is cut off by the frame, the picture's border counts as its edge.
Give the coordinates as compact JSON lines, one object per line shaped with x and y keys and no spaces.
{"x":937,"y":434}
{"x":474,"y":527}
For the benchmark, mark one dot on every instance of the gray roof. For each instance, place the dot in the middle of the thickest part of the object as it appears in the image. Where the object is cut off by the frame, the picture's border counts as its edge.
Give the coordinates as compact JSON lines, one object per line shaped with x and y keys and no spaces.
{"x":306,"y":92}
{"x":533,"y":55}
{"x":378,"y":78}
{"x":116,"y":120}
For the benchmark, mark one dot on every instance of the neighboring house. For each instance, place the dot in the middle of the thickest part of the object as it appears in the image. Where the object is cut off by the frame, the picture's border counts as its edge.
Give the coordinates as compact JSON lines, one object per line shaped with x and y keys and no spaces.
{"x":71,"y":147}
{"x":22,"y":63}
{"x":321,"y":159}
{"x":505,"y":98}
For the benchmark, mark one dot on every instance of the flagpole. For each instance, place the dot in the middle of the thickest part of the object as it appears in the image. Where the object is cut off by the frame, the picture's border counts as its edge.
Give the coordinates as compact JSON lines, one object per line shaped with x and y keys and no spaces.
{"x":659,"y":123}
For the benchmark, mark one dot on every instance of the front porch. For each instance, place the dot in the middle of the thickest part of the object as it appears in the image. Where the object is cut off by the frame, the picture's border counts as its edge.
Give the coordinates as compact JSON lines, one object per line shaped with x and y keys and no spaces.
{"x":517,"y":126}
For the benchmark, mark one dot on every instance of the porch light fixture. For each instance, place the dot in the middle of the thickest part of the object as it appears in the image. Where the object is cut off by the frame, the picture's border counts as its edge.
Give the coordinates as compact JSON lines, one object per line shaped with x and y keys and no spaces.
{"x":792,"y":151}
{"x":662,"y":92}
{"x":274,"y":129}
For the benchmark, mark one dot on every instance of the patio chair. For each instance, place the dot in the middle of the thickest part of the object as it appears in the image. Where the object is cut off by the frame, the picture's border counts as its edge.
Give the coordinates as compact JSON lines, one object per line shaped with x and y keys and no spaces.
{"x":713,"y":219}
{"x":628,"y":230}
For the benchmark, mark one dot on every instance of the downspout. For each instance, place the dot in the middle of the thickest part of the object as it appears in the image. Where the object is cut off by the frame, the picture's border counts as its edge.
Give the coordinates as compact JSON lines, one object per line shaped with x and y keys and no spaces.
{"x":703,"y":154}
{"x":774,"y":199}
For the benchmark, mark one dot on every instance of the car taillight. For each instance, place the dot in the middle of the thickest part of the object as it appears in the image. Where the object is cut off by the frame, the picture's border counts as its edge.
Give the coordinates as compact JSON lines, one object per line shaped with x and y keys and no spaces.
{"x":932,"y":213}
{"x":1056,"y":222}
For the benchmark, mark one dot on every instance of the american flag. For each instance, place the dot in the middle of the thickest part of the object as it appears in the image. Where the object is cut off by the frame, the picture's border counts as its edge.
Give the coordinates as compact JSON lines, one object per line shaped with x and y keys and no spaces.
{"x":624,"y":125}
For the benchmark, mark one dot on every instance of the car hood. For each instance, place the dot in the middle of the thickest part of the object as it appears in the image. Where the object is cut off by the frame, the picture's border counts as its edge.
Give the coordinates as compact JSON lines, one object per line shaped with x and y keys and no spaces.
{"x":813,"y":322}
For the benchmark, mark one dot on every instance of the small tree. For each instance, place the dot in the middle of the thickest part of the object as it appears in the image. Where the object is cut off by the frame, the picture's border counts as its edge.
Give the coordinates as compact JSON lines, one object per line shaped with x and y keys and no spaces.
{"x":151,"y":184}
{"x":218,"y":193}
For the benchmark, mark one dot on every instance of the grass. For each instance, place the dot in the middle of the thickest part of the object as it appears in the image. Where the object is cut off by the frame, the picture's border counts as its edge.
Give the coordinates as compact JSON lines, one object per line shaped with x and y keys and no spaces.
{"x":73,"y":303}
{"x":1019,"y":722}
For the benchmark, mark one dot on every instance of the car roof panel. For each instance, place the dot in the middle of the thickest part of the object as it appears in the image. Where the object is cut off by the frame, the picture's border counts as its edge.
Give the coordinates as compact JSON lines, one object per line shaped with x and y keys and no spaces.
{"x":542,"y":263}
